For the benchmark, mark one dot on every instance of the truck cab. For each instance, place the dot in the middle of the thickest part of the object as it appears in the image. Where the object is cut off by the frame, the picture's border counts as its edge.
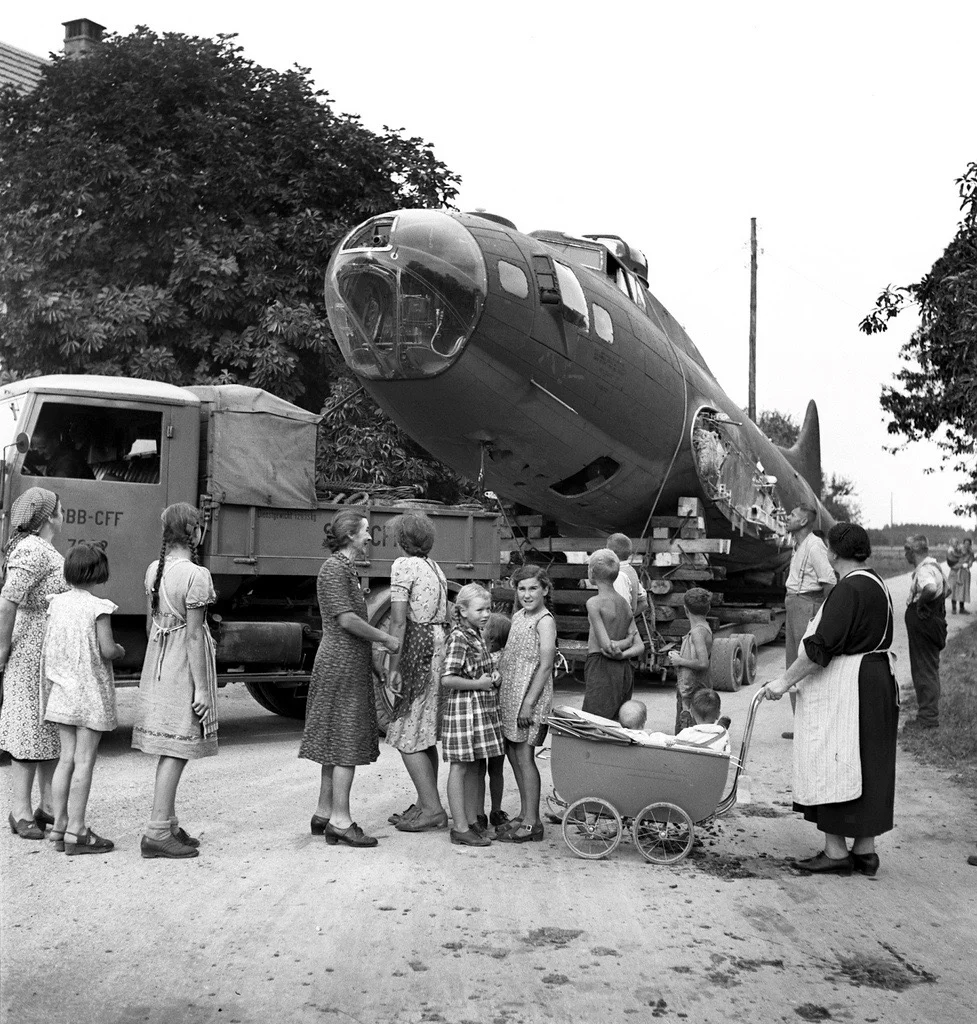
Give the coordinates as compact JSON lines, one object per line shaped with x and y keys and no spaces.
{"x":116,"y":451}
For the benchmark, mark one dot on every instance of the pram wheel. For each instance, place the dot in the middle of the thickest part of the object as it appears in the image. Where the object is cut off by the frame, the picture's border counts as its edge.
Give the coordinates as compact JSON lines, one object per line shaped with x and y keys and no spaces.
{"x":663,"y":833}
{"x":592,"y":828}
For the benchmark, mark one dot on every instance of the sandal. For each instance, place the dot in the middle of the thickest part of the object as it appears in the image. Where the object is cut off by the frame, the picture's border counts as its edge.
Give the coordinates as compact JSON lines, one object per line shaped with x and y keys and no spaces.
{"x":507,"y":826}
{"x":87,"y":842}
{"x":56,"y":837}
{"x":523,"y":834}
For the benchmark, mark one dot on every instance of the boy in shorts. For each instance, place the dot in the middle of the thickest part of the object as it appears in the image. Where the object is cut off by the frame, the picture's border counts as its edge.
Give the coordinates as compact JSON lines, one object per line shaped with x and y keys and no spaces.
{"x":612,"y":641}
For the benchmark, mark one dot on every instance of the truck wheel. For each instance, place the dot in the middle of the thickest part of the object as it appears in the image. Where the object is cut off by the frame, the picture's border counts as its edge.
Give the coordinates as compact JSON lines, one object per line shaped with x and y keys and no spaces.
{"x":748,"y":640}
{"x":289,"y":702}
{"x":727,"y":664}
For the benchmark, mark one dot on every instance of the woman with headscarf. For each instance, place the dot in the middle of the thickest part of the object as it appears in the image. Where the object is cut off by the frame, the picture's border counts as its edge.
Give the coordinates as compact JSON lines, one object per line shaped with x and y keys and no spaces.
{"x":33,"y":572}
{"x":847,"y":712}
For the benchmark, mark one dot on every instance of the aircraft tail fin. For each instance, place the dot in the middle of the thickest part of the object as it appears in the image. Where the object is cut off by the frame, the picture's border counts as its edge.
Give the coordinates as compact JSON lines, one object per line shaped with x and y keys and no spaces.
{"x":805,"y":456}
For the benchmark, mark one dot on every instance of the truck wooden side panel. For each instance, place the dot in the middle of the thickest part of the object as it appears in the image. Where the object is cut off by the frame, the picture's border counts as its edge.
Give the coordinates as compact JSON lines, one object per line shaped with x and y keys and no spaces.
{"x":245,"y":540}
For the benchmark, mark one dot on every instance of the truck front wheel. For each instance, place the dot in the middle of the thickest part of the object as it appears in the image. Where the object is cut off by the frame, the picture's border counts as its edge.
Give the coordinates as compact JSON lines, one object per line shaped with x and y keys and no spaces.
{"x":287,"y":701}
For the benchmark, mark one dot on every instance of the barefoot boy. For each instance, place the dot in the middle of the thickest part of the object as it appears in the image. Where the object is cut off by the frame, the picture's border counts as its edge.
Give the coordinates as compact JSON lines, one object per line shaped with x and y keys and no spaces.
{"x":692,"y":662}
{"x":613,"y":639}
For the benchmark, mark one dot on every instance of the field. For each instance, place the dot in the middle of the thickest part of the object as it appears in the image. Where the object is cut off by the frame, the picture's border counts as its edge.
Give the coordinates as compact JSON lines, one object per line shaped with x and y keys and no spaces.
{"x":892,"y":561}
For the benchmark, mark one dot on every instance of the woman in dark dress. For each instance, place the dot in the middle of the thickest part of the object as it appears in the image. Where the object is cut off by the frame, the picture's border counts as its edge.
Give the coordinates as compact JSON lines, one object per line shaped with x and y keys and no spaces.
{"x":847,"y":712}
{"x":341,"y":718}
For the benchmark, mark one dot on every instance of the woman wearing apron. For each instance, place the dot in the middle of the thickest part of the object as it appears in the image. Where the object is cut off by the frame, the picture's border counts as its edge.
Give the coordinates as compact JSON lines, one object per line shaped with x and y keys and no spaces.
{"x":847,"y":712}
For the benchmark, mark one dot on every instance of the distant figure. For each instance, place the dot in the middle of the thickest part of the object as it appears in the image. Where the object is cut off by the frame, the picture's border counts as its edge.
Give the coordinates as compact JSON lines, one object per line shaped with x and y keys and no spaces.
{"x":692,"y":660}
{"x":809,"y":582}
{"x":926,"y":628}
{"x":613,"y":639}
{"x":959,"y":580}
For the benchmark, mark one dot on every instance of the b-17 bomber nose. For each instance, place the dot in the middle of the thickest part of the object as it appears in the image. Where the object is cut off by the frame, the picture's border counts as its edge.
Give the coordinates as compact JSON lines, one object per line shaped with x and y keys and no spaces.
{"x":404,"y":292}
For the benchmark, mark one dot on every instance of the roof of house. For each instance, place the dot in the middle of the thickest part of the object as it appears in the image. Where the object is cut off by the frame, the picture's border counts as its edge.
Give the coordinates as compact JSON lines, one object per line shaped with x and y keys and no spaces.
{"x":19,"y":68}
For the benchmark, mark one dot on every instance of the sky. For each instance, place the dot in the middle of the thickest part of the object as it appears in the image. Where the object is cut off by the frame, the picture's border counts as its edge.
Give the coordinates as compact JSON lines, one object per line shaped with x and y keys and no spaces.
{"x":839,"y":126}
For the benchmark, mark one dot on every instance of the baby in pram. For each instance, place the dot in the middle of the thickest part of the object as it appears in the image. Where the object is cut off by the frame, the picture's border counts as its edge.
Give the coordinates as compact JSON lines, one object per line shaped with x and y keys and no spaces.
{"x":709,"y":731}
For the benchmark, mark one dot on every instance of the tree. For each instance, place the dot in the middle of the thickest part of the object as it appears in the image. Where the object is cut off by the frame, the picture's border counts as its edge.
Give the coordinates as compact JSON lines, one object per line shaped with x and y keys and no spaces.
{"x":838,"y":493}
{"x":779,"y":427}
{"x":169,"y":208}
{"x":359,"y":442}
{"x":937,"y":389}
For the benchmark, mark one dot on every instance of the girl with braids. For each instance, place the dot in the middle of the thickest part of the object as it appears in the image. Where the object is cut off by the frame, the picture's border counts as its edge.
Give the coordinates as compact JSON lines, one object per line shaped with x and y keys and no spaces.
{"x":33,"y":572}
{"x":341,"y":728}
{"x":177,"y":710}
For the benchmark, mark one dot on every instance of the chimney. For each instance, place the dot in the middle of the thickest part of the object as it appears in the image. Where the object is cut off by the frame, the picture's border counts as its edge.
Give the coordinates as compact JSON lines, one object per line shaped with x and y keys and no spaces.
{"x":81,"y":36}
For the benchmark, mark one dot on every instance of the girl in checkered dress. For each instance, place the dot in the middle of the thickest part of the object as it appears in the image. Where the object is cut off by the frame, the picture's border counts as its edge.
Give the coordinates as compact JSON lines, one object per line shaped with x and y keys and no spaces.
{"x":470,"y":728}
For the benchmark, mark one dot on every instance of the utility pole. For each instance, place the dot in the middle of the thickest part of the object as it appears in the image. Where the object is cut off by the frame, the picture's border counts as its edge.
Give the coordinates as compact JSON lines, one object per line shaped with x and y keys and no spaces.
{"x":752,"y":399}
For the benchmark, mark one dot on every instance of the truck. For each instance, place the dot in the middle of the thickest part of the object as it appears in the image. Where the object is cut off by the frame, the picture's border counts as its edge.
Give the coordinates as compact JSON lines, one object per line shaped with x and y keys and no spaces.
{"x":118,"y":450}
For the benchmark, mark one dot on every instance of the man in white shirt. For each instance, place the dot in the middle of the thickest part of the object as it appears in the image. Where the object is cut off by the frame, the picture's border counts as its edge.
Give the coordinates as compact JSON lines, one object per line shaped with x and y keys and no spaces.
{"x":627,"y":583}
{"x":925,"y":628}
{"x":809,"y":582}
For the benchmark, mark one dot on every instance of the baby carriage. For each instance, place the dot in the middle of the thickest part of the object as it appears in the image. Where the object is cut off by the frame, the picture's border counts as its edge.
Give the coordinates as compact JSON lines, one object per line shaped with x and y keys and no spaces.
{"x":607,"y":779}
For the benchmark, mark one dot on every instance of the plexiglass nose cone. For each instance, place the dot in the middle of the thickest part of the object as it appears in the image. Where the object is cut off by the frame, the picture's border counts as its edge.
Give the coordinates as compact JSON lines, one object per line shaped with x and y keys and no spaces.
{"x":404,"y":293}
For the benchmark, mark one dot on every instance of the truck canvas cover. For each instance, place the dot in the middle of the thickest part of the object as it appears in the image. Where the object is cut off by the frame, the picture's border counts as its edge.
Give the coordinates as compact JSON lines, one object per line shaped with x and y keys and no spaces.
{"x":260,"y":449}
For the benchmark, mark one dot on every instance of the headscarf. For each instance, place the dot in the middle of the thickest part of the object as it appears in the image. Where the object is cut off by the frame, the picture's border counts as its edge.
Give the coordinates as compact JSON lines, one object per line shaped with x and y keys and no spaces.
{"x":29,"y":513}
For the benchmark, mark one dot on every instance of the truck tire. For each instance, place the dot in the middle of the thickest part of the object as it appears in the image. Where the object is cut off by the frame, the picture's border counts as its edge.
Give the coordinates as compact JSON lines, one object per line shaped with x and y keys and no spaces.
{"x":289,"y":702}
{"x":727,"y":664}
{"x":748,"y":640}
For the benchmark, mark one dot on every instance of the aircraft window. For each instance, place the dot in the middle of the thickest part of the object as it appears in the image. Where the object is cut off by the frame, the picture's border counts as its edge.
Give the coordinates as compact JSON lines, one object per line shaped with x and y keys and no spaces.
{"x":84,"y":442}
{"x":603,"y":324}
{"x":375,"y":234}
{"x":621,"y":280}
{"x":637,"y":294}
{"x":574,"y":300}
{"x":513,"y":280}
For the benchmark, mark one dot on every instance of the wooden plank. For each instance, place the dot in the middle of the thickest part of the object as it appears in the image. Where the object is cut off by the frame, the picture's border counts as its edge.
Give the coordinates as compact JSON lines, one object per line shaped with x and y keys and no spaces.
{"x":712,"y":572}
{"x":681,"y":626}
{"x":745,"y":614}
{"x":690,"y":506}
{"x":526,"y":520}
{"x":711,"y":545}
{"x":678,"y":522}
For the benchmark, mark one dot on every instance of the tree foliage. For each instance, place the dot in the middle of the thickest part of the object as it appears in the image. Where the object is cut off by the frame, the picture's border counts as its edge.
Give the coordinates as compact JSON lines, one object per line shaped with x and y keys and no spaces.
{"x":169,"y":208}
{"x":780,"y":427}
{"x":838,"y":494}
{"x":359,"y":442}
{"x":937,"y":389}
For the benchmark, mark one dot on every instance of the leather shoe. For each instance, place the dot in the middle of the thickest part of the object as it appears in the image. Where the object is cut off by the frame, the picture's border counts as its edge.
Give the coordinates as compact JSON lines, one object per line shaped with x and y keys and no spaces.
{"x":352,"y":836}
{"x":469,"y":838}
{"x":87,"y":842}
{"x":43,"y":819}
{"x":181,"y":834}
{"x":423,"y":823}
{"x":26,"y":828}
{"x":865,"y":863}
{"x":318,"y":825}
{"x":169,"y":848}
{"x":823,"y":864}
{"x":972,"y":860}
{"x":410,"y":812}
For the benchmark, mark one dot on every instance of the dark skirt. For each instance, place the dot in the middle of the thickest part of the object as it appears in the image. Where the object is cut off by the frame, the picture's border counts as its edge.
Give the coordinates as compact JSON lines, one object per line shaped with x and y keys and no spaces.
{"x":878,"y":719}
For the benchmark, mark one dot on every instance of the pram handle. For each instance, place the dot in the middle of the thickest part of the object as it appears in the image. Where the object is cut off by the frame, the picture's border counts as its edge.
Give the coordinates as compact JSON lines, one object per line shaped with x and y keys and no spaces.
{"x":730,"y":799}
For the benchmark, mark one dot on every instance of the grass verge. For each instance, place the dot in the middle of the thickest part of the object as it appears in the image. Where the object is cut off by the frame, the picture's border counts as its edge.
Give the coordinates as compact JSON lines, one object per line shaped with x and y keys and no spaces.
{"x":954,"y":745}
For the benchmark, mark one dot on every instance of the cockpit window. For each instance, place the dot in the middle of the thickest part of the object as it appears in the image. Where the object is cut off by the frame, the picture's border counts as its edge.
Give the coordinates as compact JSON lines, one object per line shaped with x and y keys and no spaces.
{"x":373,"y":235}
{"x":574,"y":300}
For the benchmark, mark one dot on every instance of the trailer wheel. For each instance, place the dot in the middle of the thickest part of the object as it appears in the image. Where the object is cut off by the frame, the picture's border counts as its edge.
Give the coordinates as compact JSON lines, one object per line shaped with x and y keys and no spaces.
{"x":727,"y":664}
{"x":289,"y":702}
{"x":748,"y":640}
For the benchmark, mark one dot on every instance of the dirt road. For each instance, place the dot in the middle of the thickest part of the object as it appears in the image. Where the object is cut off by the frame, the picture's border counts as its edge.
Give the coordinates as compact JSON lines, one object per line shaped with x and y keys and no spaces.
{"x":269,"y":924}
